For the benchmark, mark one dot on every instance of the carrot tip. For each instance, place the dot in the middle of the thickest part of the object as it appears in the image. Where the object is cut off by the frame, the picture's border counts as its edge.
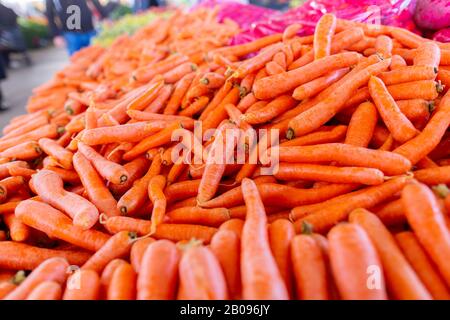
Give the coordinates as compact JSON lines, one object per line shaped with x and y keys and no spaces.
{"x":307,"y":228}
{"x":61,"y":130}
{"x":441,"y":190}
{"x":242,"y":92}
{"x":431,"y":106}
{"x":123,"y":178}
{"x":132,"y":235}
{"x":123,"y":210}
{"x":290,"y":134}
{"x":102,"y":218}
{"x":204,"y":81}
{"x":19,"y":277}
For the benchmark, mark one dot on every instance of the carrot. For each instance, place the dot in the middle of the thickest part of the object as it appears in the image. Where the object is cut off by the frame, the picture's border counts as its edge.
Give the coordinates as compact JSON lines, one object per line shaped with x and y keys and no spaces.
{"x":422,"y":264}
{"x":47,"y":131}
{"x":158,"y":273}
{"x":247,"y":84}
{"x":106,"y":276}
{"x":397,"y":62}
{"x":173,"y":232}
{"x":218,"y":157}
{"x":326,"y":217}
{"x":137,"y":194}
{"x":107,"y":169}
{"x":249,"y":47}
{"x":123,"y":283}
{"x":277,"y":194}
{"x":24,"y":151}
{"x":6,"y":287}
{"x":137,"y":252}
{"x":216,"y":116}
{"x":49,"y":186}
{"x":53,"y":269}
{"x":273,"y":68}
{"x":275,"y":85}
{"x":21,"y":256}
{"x":433,"y":176}
{"x":159,"y":102}
{"x":291,"y":31}
{"x":116,"y":246}
{"x":17,"y":230}
{"x":383,"y":46}
{"x":9,"y":186}
{"x":234,"y":225}
{"x":400,"y":127}
{"x":53,"y":149}
{"x":324,"y":30}
{"x":82,"y":285}
{"x":343,"y":154}
{"x":199,"y":216}
{"x":180,"y":90}
{"x":136,"y":170}
{"x":153,"y":141}
{"x":270,"y":111}
{"x":431,"y":135}
{"x":428,"y":223}
{"x":132,"y":132}
{"x":47,"y":290}
{"x":225,"y":245}
{"x":261,"y":278}
{"x":8,"y":207}
{"x":309,"y":268}
{"x":401,"y":280}
{"x":156,"y":194}
{"x":212,"y":80}
{"x":423,"y":89}
{"x":4,"y":167}
{"x":362,"y":125}
{"x":195,"y":107}
{"x":22,"y":128}
{"x":318,"y":115}
{"x":96,"y":190}
{"x":391,"y":213}
{"x":201,"y":277}
{"x":341,"y":41}
{"x":290,"y":171}
{"x":353,"y":260}
{"x":281,"y":232}
{"x":315,"y":86}
{"x":428,"y":54}
{"x":181,"y":190}
{"x":54,"y":223}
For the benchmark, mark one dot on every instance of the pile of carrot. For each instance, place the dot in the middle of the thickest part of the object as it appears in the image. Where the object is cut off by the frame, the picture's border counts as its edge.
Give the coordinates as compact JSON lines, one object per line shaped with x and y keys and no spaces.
{"x":94,"y":206}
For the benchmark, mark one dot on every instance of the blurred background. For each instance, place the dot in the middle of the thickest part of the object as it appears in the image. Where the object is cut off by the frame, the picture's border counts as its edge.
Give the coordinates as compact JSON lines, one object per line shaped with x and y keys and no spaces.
{"x":32,"y":47}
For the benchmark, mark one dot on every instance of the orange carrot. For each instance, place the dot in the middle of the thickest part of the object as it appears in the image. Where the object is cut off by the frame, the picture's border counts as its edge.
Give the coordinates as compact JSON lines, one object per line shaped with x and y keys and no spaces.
{"x":123,"y":283}
{"x":353,"y":260}
{"x":49,"y":186}
{"x":226,"y":247}
{"x":53,"y":269}
{"x":401,"y":280}
{"x":201,"y":277}
{"x":309,"y":268}
{"x":428,"y":223}
{"x":422,"y":264}
{"x":82,"y":285}
{"x":281,"y":232}
{"x":325,"y":28}
{"x":261,"y":278}
{"x":158,"y":273}
{"x":54,"y":223}
{"x":116,"y":246}
{"x":47,"y":290}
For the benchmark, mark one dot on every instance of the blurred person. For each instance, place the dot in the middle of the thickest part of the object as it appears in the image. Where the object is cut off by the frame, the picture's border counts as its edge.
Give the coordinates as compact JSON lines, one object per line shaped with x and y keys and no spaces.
{"x":11,"y":38}
{"x":142,"y":5}
{"x":2,"y":77}
{"x":71,"y":22}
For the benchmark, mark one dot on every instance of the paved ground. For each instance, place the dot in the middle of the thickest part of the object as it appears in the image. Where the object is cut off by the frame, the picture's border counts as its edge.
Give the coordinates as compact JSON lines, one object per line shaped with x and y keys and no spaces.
{"x":17,"y":88}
